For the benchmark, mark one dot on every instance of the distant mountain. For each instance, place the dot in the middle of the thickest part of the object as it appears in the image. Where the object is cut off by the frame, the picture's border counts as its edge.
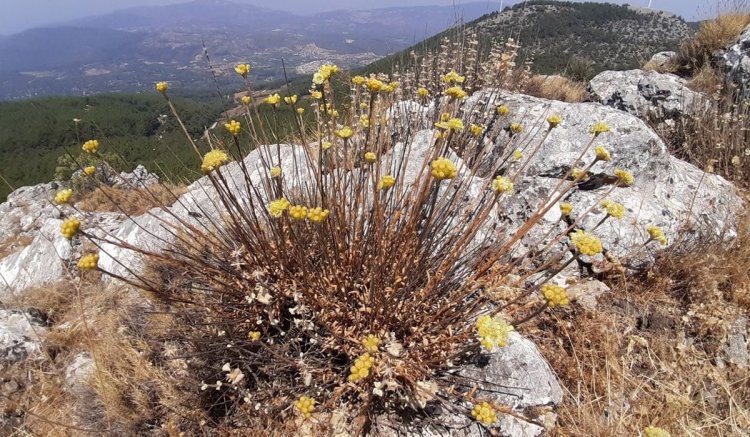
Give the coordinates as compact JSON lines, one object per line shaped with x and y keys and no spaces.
{"x":131,"y":49}
{"x":557,"y":33}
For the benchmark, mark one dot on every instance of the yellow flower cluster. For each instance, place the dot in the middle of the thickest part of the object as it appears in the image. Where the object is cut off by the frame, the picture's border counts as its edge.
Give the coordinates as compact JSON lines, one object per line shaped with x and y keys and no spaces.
{"x":389,"y":88}
{"x":324,"y":73}
{"x":89,"y":171}
{"x":326,"y":145}
{"x":423,"y":92}
{"x":247,"y":100}
{"x":484,"y":413}
{"x":242,"y":69}
{"x":502,"y":185}
{"x":386,"y":182}
{"x":554,"y":120}
{"x":273,"y":99}
{"x":275,"y":172}
{"x":300,"y":111}
{"x":555,"y":295}
{"x":88,"y":262}
{"x":517,"y":155}
{"x":361,"y":367}
{"x":364,"y":120}
{"x":233,"y":126}
{"x":566,"y":208}
{"x":305,"y":405}
{"x":493,"y":332}
{"x":516,"y":128}
{"x":456,"y":92}
{"x":298,"y":212}
{"x":277,"y":207}
{"x":213,"y":160}
{"x":291,"y":100}
{"x":358,"y":80}
{"x":624,"y":177}
{"x":454,"y":124}
{"x":443,"y":168}
{"x":253,"y":335}
{"x":476,"y":129}
{"x":586,"y":243}
{"x":653,"y":431}
{"x":453,"y":77}
{"x":69,"y":227}
{"x":374,"y":85}
{"x":344,"y":133}
{"x":317,"y":95}
{"x":91,"y":146}
{"x":503,"y":110}
{"x":370,"y":157}
{"x":614,"y":209}
{"x":371,"y":343}
{"x":162,"y":87}
{"x":317,"y":214}
{"x":579,"y":174}
{"x":657,"y":234}
{"x":599,"y":127}
{"x":602,"y":154}
{"x":63,"y":196}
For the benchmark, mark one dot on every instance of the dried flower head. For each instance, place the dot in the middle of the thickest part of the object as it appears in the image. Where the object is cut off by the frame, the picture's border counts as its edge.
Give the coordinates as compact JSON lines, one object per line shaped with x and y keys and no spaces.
{"x":456,"y":92}
{"x":493,"y":332}
{"x":305,"y":405}
{"x":213,"y":160}
{"x":484,"y":413}
{"x":317,"y":95}
{"x":89,"y":171}
{"x":345,"y":132}
{"x":657,"y":234}
{"x":598,"y":128}
{"x":602,"y":154}
{"x":452,"y":124}
{"x":476,"y":129}
{"x":88,"y":262}
{"x":624,"y":177}
{"x":555,"y":295}
{"x":374,"y":85}
{"x":361,"y":367}
{"x":242,"y":69}
{"x":614,"y":209}
{"x":162,"y":87}
{"x":423,"y":92}
{"x":453,"y":77}
{"x":443,"y":168}
{"x":517,"y":155}
{"x":253,"y":335}
{"x":247,"y":100}
{"x":325,"y":145}
{"x":516,"y":128}
{"x":317,"y":214}
{"x":586,"y":243}
{"x":324,"y":73}
{"x":273,"y":99}
{"x":358,"y":80}
{"x":277,"y":207}
{"x":364,"y":121}
{"x":291,"y":100}
{"x":579,"y":174}
{"x":69,"y":227}
{"x":502,"y":184}
{"x":300,"y":111}
{"x":298,"y":212}
{"x":653,"y":431}
{"x":233,"y":127}
{"x":371,"y":343}
{"x":386,"y":182}
{"x":554,"y":120}
{"x":503,"y":110}
{"x":566,"y":208}
{"x":91,"y":146}
{"x":275,"y":172}
{"x":370,"y":157}
{"x":63,"y":196}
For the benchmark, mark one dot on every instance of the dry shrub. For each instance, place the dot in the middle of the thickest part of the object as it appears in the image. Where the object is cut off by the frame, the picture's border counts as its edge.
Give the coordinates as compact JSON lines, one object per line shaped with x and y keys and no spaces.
{"x":14,"y":244}
{"x":131,"y":200}
{"x":712,"y":35}
{"x":650,"y":353}
{"x":556,"y":88}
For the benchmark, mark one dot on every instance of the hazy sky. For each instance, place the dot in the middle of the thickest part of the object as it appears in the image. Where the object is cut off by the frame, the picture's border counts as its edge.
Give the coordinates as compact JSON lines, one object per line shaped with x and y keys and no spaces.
{"x":18,"y":15}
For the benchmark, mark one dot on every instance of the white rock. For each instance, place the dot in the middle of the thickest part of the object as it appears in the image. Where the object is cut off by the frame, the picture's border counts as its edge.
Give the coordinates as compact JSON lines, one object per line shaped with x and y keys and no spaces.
{"x":19,"y":335}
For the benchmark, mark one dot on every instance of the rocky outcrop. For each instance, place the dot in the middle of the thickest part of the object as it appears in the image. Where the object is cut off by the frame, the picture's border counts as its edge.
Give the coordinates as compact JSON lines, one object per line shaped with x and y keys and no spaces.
{"x":735,"y":61}
{"x":647,"y":94}
{"x":19,"y":335}
{"x":661,"y":61}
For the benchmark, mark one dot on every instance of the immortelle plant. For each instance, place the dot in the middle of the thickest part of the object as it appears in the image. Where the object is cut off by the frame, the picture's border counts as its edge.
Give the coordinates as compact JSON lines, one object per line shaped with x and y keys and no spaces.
{"x":325,"y":284}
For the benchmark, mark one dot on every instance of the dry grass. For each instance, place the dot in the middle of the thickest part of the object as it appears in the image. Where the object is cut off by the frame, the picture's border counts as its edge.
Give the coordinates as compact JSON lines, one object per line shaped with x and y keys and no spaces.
{"x":712,"y":35}
{"x":556,"y":88}
{"x":648,"y":354}
{"x":131,"y":201}
{"x":14,"y":244}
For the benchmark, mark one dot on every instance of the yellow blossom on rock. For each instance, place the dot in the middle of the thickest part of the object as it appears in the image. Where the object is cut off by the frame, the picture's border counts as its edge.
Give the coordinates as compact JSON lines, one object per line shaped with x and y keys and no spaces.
{"x":358,"y":80}
{"x":242,"y":69}
{"x":253,"y":335}
{"x":614,"y":209}
{"x":602,"y":154}
{"x":566,"y":208}
{"x":298,"y":212}
{"x":555,"y":295}
{"x":516,"y":128}
{"x":456,"y":92}
{"x":443,"y":168}
{"x":69,"y":227}
{"x":345,"y":132}
{"x":484,"y":413}
{"x":503,"y":110}
{"x":370,"y":157}
{"x":453,"y":77}
{"x":91,"y":146}
{"x":454,"y":124}
{"x":89,"y":171}
{"x":374,"y":85}
{"x":273,"y":99}
{"x":364,"y":120}
{"x":317,"y":214}
{"x":275,"y":172}
{"x":277,"y":207}
{"x":371,"y":343}
{"x":162,"y":87}
{"x":502,"y":185}
{"x":586,"y":243}
{"x":517,"y":155}
{"x":653,"y":431}
{"x":326,"y":145}
{"x":233,"y":127}
{"x":493,"y":332}
{"x":423,"y":92}
{"x":247,"y":100}
{"x":88,"y":262}
{"x":657,"y":234}
{"x":305,"y":405}
{"x":624,"y":177}
{"x":291,"y":100}
{"x":361,"y":367}
{"x":317,"y":95}
{"x":599,"y":127}
{"x":63,"y":196}
{"x":213,"y":160}
{"x":386,"y":182}
{"x":579,"y":174}
{"x":554,"y":120}
{"x":476,"y":130}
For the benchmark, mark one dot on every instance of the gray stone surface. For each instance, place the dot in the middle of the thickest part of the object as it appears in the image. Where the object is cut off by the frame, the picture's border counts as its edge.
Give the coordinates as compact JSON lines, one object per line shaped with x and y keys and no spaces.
{"x":20,"y":335}
{"x":646,"y":94}
{"x":735,"y":60}
{"x":661,"y":60}
{"x":737,"y":345}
